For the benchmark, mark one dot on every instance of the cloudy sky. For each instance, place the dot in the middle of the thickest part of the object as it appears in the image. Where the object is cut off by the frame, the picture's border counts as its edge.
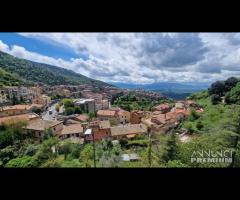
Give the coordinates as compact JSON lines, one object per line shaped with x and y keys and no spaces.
{"x":140,"y":58}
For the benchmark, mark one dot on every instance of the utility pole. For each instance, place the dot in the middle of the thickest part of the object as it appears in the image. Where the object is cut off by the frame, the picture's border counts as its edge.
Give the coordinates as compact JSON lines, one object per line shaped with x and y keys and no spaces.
{"x":149,"y":148}
{"x":94,"y":153}
{"x":93,"y":126}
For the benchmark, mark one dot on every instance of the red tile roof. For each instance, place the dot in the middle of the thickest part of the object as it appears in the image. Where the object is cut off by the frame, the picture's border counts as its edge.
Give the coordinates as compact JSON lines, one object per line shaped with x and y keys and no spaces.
{"x":15,"y":118}
{"x":71,"y":129}
{"x":110,"y":113}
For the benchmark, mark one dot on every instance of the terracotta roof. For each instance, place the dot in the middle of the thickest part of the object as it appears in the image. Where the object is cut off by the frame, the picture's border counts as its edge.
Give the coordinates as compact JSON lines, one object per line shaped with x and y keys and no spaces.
{"x":74,"y":128}
{"x":185,"y":112}
{"x":21,"y":107}
{"x":128,"y":129}
{"x":121,"y":111}
{"x":104,"y":124}
{"x":156,"y":113}
{"x":17,"y":107}
{"x":82,"y":118}
{"x":106,"y":113}
{"x":41,"y":125}
{"x":162,"y":106}
{"x":131,"y":136}
{"x":36,"y":105}
{"x":23,"y":117}
{"x":161,"y":118}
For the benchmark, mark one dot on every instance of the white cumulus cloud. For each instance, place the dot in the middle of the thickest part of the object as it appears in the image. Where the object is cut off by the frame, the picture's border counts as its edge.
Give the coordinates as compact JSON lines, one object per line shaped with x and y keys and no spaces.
{"x":142,"y":57}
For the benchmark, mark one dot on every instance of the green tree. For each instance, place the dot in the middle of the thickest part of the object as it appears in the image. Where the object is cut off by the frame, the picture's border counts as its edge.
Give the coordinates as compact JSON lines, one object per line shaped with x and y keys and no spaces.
{"x":7,"y":154}
{"x":199,"y":125}
{"x":36,"y":110}
{"x":68,"y":103}
{"x":149,"y":152}
{"x":48,"y":133}
{"x":11,"y":133}
{"x":75,"y":151}
{"x":215,"y":98}
{"x":65,"y":148}
{"x":193,"y":115}
{"x":189,"y":127}
{"x":14,"y":100}
{"x":234,"y":95}
{"x":217,"y":88}
{"x":45,"y":151}
{"x":69,"y":111}
{"x":231,"y":82}
{"x":57,"y":107}
{"x":123,"y":142}
{"x":31,"y":150}
{"x":86,"y":155}
{"x":92,"y":115}
{"x":171,"y":149}
{"x":77,"y":110}
{"x":55,"y":162}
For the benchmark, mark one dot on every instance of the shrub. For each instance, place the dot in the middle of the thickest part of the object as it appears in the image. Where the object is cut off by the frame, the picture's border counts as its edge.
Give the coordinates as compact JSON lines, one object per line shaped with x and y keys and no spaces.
{"x":189,"y":127}
{"x":123,"y":142}
{"x":75,"y":151}
{"x":199,"y":125}
{"x":36,"y":110}
{"x":69,"y":111}
{"x":215,"y":99}
{"x":193,"y":115}
{"x":25,"y":161}
{"x":31,"y":150}
{"x":77,"y":110}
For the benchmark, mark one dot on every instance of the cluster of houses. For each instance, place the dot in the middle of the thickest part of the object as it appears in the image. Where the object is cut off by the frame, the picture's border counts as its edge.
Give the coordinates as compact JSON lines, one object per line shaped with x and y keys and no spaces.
{"x":14,"y":94}
{"x":78,"y":127}
{"x":88,"y":91}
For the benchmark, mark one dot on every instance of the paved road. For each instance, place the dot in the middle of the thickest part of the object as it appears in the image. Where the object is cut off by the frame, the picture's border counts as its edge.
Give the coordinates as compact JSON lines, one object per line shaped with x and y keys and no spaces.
{"x":47,"y":116}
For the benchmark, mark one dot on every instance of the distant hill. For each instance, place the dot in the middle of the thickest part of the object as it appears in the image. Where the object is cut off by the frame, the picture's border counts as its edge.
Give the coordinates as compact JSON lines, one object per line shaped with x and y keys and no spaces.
{"x":167,"y":86}
{"x":43,"y":73}
{"x":173,"y":90}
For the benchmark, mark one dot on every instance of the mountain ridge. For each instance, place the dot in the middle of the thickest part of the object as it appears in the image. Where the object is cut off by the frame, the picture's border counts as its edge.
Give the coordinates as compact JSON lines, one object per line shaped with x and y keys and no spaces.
{"x":44,"y":73}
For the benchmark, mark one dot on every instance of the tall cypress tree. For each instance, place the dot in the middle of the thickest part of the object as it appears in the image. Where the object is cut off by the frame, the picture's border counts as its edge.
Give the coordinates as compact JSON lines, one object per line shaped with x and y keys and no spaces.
{"x":171,"y":148}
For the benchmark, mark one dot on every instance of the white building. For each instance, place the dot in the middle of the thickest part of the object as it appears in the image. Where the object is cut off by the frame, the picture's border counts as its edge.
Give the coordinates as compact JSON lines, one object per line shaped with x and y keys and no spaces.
{"x":86,"y":105}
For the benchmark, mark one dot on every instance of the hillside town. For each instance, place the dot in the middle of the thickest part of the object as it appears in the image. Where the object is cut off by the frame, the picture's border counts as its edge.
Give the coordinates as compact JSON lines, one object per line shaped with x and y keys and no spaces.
{"x":114,"y":100}
{"x":21,"y":103}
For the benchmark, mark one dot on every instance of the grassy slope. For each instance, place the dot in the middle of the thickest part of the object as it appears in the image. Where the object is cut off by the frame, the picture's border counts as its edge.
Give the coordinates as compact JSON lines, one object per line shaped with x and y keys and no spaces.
{"x":214,"y":116}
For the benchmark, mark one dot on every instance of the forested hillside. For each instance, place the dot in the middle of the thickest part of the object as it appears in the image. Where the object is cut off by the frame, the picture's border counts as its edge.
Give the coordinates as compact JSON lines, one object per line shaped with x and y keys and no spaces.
{"x":8,"y":79}
{"x":43,"y":73}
